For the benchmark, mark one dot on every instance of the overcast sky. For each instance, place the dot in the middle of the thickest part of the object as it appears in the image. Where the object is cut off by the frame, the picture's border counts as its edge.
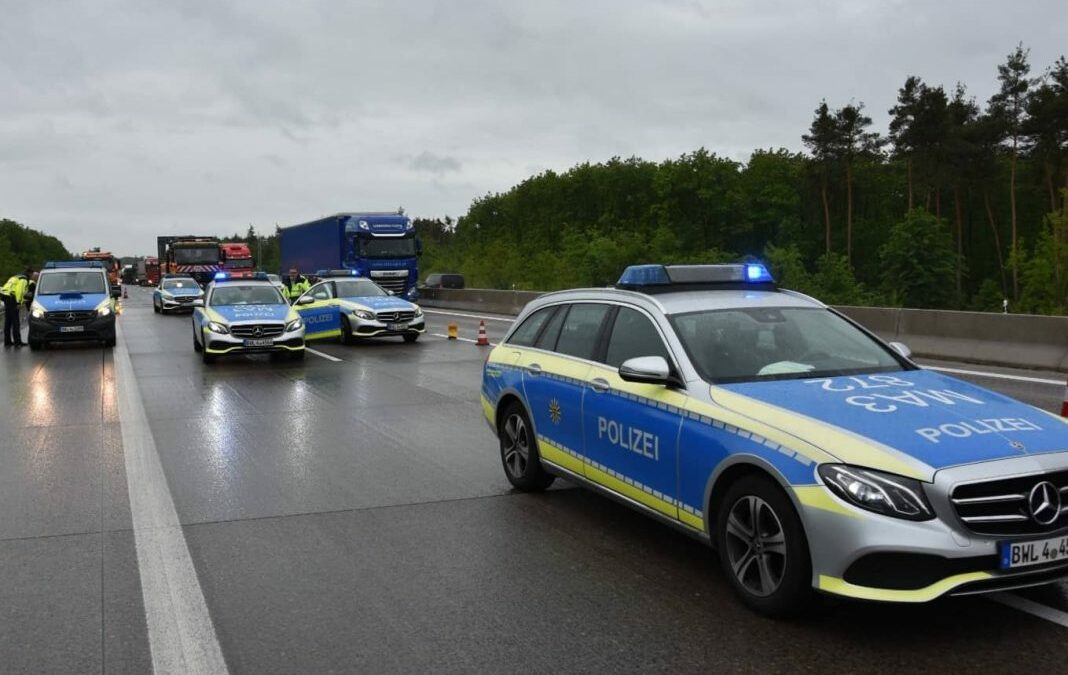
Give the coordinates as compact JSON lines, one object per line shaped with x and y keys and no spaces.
{"x":124,"y":119}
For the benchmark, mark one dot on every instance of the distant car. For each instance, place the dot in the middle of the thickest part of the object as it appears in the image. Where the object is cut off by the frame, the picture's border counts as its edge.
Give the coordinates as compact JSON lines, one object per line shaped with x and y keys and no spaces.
{"x":444,"y":280}
{"x":73,"y":301}
{"x":175,"y":293}
{"x":352,"y":307}
{"x":242,"y":316}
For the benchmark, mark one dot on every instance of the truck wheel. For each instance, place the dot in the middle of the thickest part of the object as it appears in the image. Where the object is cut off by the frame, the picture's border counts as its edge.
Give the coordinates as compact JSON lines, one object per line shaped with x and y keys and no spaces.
{"x":762,"y":548}
{"x":411,"y":337}
{"x":519,"y":452}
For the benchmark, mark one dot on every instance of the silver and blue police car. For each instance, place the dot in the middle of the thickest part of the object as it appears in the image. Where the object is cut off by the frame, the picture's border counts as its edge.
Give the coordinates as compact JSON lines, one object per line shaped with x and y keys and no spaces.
{"x":175,"y":292}
{"x":351,"y":307}
{"x":810,"y":453}
{"x":245,"y":316}
{"x":73,"y":301}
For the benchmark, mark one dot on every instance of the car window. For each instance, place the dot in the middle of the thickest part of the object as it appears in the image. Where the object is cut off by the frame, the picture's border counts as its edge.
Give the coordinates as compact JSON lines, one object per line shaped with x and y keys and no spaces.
{"x":633,"y":335}
{"x":549,"y":336}
{"x":71,"y":282}
{"x":358,"y":288}
{"x":578,"y":335}
{"x":321,"y":292}
{"x":527,"y":332}
{"x":246,"y":295}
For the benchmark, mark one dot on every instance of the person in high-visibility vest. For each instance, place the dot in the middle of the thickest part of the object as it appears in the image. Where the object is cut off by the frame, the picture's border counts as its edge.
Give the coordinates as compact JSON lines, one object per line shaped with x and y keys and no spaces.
{"x":12,"y":294}
{"x":31,"y":290}
{"x":295,"y":284}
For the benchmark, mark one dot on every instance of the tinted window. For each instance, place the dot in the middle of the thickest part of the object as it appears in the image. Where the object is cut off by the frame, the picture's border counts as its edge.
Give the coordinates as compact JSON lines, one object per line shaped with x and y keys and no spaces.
{"x":71,"y":282}
{"x":321,"y":292}
{"x":578,"y":337}
{"x":246,"y":295}
{"x":528,"y":330}
{"x":552,"y":331}
{"x":358,"y":288}
{"x":633,"y":335}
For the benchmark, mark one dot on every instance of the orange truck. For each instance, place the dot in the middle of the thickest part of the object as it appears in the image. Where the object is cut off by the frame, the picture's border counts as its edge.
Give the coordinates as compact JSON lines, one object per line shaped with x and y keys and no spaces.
{"x":236,"y":258}
{"x":111,"y":263}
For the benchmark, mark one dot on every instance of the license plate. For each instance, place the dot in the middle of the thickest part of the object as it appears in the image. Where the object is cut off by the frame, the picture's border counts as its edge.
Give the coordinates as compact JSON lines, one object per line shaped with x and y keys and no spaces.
{"x":397,"y":326}
{"x":1015,"y":554}
{"x":71,"y":329}
{"x":261,"y":342}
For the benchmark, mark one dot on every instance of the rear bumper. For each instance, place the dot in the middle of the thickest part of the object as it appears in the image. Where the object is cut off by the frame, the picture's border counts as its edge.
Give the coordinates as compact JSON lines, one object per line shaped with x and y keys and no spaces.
{"x":43,"y":330}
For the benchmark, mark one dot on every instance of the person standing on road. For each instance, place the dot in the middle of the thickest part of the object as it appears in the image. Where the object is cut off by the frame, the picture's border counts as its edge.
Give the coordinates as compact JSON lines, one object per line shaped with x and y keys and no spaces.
{"x":13,"y":293}
{"x":31,"y":290}
{"x":295,"y":284}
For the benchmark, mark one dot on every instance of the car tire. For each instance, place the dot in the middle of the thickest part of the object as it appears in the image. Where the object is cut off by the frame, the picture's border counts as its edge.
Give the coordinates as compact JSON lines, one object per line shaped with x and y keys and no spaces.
{"x":768,"y":565}
{"x":110,"y":342}
{"x":35,"y":345}
{"x":411,"y":337}
{"x":206,"y":357}
{"x":346,"y":332}
{"x":155,"y":307}
{"x":196,"y":344}
{"x":519,"y":451}
{"x":297,"y":355}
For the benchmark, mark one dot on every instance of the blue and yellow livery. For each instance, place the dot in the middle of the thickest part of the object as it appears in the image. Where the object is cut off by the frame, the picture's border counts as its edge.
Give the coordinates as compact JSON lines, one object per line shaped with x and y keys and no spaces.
{"x":245,"y":316}
{"x":811,"y":454}
{"x":349,"y":307}
{"x":73,"y":301}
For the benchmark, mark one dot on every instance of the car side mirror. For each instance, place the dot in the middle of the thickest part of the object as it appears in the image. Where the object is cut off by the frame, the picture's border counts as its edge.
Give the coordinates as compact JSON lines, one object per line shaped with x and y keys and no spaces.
{"x":197,"y":303}
{"x":305,"y":300}
{"x":116,"y":292}
{"x":902,"y":348}
{"x":647,"y":370}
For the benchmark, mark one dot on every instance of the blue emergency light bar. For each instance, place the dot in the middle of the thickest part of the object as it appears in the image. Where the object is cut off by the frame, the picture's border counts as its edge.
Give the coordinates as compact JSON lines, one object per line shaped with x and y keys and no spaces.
{"x":66,"y":264}
{"x":339,"y":273}
{"x":226,"y":276}
{"x":664,"y":278}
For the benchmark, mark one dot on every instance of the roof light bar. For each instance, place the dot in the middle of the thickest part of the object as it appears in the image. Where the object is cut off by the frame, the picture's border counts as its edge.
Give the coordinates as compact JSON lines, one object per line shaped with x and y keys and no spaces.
{"x":664,"y":277}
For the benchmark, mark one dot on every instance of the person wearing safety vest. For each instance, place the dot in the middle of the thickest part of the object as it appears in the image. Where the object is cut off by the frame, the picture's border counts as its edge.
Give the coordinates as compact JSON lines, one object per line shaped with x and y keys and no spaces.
{"x":295,"y":284}
{"x":31,"y":290}
{"x":12,"y":294}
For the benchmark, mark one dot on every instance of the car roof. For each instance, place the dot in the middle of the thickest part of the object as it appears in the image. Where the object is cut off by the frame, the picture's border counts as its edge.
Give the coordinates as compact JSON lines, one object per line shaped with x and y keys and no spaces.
{"x":682,"y":301}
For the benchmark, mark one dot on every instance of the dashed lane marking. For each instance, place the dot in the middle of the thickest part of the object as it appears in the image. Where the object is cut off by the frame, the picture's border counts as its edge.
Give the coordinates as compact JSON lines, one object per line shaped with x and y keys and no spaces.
{"x":468,"y":316}
{"x":999,"y":376}
{"x":181,"y":635}
{"x":1031,"y":607}
{"x":461,"y":339}
{"x":322,"y":355}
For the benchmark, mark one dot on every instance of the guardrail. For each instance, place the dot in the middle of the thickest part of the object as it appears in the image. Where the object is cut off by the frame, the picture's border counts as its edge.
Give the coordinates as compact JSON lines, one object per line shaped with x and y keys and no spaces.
{"x":1014,"y":340}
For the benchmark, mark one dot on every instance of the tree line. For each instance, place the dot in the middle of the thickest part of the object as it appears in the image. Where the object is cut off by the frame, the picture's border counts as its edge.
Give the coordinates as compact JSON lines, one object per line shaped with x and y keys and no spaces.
{"x":22,"y":247}
{"x":957,"y":205}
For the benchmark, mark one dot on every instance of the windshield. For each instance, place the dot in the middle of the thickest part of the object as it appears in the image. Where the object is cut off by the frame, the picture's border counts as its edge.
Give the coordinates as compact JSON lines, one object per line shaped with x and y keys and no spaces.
{"x":71,"y":282}
{"x":741,"y":345}
{"x":246,"y":295}
{"x":196,"y":255}
{"x":358,"y":288}
{"x":386,"y":248}
{"x":274,"y":278}
{"x":169,"y":284}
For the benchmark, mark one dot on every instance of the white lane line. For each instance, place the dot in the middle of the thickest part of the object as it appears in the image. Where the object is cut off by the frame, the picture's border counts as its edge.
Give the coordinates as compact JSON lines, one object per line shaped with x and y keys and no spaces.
{"x":999,"y":376}
{"x":322,"y":355}
{"x":181,"y":635}
{"x":461,"y":339}
{"x":1031,"y":607}
{"x":469,"y":316}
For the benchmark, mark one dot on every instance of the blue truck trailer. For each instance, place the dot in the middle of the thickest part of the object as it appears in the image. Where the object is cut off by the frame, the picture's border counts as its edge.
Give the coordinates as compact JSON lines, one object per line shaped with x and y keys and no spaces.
{"x":379,"y":246}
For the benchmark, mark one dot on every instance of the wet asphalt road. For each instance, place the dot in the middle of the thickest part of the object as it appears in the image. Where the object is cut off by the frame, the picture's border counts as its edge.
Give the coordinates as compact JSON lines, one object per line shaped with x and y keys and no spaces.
{"x":352,"y":516}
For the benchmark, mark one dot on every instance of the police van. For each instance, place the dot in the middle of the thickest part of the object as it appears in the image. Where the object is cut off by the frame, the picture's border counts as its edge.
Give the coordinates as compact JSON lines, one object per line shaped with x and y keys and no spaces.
{"x":811,"y":454}
{"x":73,"y":301}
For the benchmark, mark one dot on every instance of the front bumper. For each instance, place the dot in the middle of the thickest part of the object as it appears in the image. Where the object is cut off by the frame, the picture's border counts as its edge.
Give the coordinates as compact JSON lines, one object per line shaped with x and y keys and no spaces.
{"x":375,"y":328}
{"x":175,"y":303}
{"x":96,"y":328}
{"x":860,"y":554}
{"x":288,"y":341}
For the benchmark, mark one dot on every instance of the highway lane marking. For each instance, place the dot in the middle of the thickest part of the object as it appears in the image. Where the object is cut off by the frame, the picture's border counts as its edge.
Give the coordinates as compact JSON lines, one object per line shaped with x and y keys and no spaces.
{"x":181,"y":635}
{"x":1031,"y":607}
{"x":323,"y":355}
{"x":461,"y":339}
{"x":468,"y":316}
{"x":1000,"y":376}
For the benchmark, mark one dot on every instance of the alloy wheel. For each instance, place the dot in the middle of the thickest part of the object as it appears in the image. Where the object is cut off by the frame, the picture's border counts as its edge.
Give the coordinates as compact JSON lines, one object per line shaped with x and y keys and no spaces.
{"x":516,"y":446}
{"x":756,"y":545}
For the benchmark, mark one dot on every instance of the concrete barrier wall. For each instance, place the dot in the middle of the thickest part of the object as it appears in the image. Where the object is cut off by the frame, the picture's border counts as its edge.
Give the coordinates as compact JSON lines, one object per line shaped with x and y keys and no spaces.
{"x":1015,"y":340}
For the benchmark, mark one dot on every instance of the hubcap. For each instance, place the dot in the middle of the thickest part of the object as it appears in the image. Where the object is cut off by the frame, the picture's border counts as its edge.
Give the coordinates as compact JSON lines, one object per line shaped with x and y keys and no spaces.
{"x":755,"y":545}
{"x":515,"y":446}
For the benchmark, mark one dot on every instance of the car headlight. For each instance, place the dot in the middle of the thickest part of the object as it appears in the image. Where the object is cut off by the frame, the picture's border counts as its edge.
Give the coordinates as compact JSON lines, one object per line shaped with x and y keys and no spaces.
{"x":884,"y":493}
{"x":103,"y":311}
{"x":165,"y":295}
{"x":418,"y":310}
{"x":363,"y":314}
{"x":37,"y":312}
{"x":216,"y":327}
{"x":295,"y":324}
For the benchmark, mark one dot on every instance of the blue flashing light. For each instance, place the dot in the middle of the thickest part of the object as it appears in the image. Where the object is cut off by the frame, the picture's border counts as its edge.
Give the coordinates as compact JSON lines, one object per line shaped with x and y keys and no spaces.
{"x":221,"y":276}
{"x":757,"y":273}
{"x":644,"y":275}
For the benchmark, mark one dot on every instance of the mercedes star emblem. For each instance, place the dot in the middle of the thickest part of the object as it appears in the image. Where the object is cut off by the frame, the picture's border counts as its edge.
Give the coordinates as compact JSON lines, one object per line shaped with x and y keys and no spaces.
{"x":257,"y":331}
{"x":1044,"y":502}
{"x":70,"y":316}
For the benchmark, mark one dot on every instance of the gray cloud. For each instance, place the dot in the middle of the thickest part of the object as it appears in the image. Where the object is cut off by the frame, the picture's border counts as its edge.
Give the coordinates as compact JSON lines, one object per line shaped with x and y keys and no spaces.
{"x":298,"y":109}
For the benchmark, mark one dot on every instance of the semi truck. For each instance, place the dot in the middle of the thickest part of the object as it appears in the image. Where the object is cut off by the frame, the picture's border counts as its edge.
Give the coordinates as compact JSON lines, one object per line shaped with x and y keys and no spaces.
{"x":107,"y":260}
{"x":151,"y":276}
{"x":199,"y":257}
{"x":379,"y":246}
{"x":236,"y":259}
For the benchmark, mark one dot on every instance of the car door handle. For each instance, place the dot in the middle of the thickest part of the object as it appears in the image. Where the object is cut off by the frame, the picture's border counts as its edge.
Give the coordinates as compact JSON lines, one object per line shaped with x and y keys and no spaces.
{"x":534,"y":369}
{"x":599,"y":385}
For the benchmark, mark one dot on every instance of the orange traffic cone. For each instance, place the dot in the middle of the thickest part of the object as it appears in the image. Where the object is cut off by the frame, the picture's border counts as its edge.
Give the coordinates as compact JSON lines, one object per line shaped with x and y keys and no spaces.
{"x":482,"y":341}
{"x":125,"y":295}
{"x":1064,"y":404}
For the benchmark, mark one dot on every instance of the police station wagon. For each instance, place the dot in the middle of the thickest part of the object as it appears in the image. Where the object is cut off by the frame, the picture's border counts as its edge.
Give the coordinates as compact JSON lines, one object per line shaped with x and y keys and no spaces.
{"x":811,"y":454}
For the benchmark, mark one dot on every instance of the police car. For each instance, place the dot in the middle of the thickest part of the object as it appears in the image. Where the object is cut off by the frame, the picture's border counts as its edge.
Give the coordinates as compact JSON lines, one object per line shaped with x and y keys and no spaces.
{"x":175,"y":292}
{"x":351,"y":307}
{"x":245,"y":316}
{"x":810,"y":453}
{"x":73,"y":302}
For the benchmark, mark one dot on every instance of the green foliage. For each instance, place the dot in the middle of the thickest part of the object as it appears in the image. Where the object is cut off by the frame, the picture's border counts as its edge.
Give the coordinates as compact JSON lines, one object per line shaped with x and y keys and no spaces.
{"x":22,"y":247}
{"x":1044,"y":271}
{"x":918,"y":262}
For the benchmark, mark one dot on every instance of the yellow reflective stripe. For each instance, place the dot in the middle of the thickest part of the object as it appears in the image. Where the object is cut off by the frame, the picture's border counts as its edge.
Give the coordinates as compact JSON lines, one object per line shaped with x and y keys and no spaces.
{"x":559,"y":456}
{"x":242,"y":348}
{"x":488,"y":410}
{"x":325,"y":334}
{"x":613,"y":483}
{"x":818,"y":497}
{"x":926,"y":594}
{"x":551,"y":364}
{"x":696,"y":522}
{"x":847,"y":447}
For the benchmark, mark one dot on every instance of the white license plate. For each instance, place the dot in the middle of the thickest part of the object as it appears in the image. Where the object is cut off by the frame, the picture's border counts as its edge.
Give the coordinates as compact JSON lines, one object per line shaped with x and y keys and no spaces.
{"x":261,"y":342}
{"x":1015,"y":554}
{"x":72,"y":329}
{"x":397,"y":326}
